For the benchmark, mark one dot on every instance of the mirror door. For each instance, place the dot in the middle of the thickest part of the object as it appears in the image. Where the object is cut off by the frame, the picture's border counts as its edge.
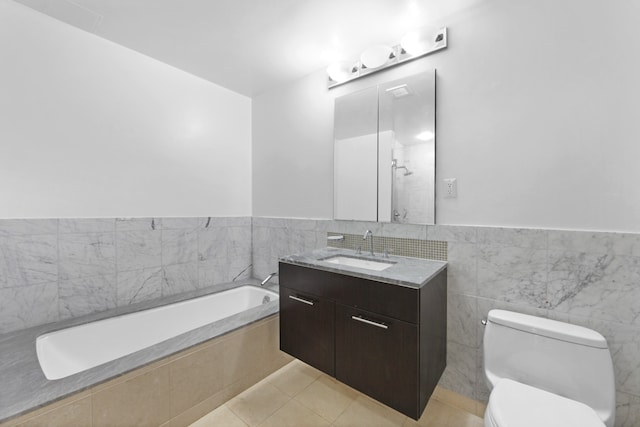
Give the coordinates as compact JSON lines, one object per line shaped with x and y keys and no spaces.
{"x":384,"y":158}
{"x":356,"y":156}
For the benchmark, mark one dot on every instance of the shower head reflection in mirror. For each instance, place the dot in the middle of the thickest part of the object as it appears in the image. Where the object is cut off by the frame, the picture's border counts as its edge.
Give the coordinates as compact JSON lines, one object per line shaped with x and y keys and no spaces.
{"x":394,"y":165}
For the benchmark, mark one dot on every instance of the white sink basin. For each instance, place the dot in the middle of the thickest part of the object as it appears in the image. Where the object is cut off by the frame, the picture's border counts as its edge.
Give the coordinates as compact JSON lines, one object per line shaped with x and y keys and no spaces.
{"x":359,"y":262}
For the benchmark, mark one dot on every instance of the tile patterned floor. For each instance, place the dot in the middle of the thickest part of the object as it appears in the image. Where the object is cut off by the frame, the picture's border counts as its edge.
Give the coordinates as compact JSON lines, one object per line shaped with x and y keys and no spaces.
{"x":299,"y":395}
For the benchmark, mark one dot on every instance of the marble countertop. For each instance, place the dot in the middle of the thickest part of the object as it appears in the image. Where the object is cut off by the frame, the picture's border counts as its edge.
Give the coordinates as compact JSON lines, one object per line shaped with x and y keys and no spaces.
{"x":409,"y":272}
{"x":23,"y":386}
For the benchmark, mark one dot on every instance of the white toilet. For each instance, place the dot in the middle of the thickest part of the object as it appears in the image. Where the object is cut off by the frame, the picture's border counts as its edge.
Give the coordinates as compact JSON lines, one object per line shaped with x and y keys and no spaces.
{"x":545,"y":373}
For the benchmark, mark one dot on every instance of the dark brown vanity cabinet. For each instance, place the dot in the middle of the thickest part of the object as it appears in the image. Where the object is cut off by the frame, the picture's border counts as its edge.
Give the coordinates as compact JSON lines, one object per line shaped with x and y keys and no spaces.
{"x":387,"y":341}
{"x":307,"y":325}
{"x":377,"y":355}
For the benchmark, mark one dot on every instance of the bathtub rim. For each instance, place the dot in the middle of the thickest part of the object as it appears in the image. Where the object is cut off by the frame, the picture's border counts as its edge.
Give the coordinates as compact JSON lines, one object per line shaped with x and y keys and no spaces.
{"x":21,"y":373}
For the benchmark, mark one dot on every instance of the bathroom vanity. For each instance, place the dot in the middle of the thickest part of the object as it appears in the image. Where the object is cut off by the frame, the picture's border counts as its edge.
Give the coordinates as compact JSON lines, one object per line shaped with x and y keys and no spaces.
{"x":381,"y":332}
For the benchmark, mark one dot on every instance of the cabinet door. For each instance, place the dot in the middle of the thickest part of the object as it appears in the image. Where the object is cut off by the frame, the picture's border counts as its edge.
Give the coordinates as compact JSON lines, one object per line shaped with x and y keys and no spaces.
{"x":378,"y":356}
{"x":307,"y":328}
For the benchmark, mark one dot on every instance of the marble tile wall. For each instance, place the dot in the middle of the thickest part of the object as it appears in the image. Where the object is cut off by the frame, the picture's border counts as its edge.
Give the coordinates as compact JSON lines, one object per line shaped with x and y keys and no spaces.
{"x":53,"y":269}
{"x":587,"y":278}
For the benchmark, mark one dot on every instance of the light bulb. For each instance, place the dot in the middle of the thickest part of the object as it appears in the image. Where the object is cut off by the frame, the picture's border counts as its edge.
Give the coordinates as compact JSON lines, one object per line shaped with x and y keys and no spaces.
{"x":339,"y":71}
{"x":416,"y":42}
{"x":376,"y":56}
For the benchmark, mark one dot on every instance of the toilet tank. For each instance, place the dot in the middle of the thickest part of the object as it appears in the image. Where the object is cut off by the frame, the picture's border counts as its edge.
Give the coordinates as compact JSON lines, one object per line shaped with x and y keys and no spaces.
{"x":565,"y":359}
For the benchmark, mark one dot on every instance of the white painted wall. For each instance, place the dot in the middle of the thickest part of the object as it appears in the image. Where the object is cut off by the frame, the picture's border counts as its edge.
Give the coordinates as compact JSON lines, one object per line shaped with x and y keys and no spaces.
{"x":292,"y":150}
{"x":536,"y":118}
{"x":89,"y":128}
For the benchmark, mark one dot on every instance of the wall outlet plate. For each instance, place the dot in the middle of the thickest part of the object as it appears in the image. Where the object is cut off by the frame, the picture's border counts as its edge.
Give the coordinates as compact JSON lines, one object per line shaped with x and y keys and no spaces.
{"x":450,"y":188}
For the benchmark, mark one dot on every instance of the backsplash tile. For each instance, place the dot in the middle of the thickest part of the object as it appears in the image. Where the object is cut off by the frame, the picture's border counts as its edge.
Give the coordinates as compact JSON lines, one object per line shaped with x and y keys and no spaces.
{"x":180,"y":223}
{"x":452,"y":233}
{"x":238,"y":243}
{"x":624,"y":343}
{"x":598,"y":243}
{"x":627,"y":410}
{"x":26,"y":306}
{"x":462,"y":315}
{"x":512,"y":237}
{"x":416,"y":248}
{"x":211,"y":274}
{"x":86,"y":225}
{"x":512,"y":274}
{"x":604,"y":286}
{"x":136,"y":224}
{"x":138,"y":249}
{"x":86,"y":255}
{"x":179,"y":278}
{"x":462,"y":268}
{"x":460,"y":373}
{"x":53,"y":269}
{"x":16,"y":227}
{"x":139,"y":285}
{"x":212,"y":244}
{"x":28,"y":260}
{"x":86,"y":295}
{"x":179,"y":246}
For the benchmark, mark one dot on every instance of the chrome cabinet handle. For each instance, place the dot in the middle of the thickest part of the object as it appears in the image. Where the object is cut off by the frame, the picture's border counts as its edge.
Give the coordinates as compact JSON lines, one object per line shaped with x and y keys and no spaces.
{"x":370,"y":322}
{"x":301,"y":300}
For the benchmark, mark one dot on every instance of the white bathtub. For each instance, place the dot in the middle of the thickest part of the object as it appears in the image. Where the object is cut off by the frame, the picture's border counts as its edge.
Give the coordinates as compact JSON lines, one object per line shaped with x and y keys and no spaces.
{"x":72,"y":350}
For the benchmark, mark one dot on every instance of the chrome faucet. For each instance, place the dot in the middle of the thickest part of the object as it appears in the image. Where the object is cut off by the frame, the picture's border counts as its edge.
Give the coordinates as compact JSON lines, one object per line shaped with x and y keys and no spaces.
{"x":264,"y":282}
{"x":368,"y":233}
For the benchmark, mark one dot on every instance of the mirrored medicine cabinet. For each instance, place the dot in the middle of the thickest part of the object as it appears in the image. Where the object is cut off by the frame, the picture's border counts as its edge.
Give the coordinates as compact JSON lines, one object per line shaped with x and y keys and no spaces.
{"x":384,"y":152}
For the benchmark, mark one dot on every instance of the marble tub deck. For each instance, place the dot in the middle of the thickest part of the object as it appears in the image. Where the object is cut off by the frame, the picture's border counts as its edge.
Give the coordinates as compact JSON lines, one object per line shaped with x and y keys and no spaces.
{"x":25,"y":388}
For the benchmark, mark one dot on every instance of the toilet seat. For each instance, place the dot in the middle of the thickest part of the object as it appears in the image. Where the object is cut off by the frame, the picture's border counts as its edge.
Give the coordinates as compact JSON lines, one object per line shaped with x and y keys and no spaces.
{"x":513,"y":404}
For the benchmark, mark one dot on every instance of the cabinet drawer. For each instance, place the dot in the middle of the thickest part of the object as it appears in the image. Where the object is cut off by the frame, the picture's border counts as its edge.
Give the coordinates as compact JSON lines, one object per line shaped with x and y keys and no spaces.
{"x":304,"y":279}
{"x":307,"y":328}
{"x":394,"y":301}
{"x":378,"y":355}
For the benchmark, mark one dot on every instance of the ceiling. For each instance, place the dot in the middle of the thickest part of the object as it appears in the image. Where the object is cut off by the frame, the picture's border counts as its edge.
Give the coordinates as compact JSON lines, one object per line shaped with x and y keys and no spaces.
{"x":250,"y":46}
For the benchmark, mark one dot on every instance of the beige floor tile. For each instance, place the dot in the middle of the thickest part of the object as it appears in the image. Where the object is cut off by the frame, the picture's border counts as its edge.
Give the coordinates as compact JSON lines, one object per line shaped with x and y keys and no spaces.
{"x":294,"y":377}
{"x":198,"y":411}
{"x":325,"y":400}
{"x":454,"y":399}
{"x":294,"y":414}
{"x":327,"y":397}
{"x":220,"y":417}
{"x":438,"y":414}
{"x":365,"y":411}
{"x":480,"y":409}
{"x":259,"y":402}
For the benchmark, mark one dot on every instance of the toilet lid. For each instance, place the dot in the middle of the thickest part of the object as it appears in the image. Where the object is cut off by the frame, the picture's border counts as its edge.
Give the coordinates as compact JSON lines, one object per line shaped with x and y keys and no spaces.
{"x":513,"y":404}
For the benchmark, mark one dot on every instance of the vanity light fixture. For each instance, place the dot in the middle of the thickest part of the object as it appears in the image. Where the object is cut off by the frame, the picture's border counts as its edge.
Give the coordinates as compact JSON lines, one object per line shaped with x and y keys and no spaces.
{"x":413,"y":45}
{"x":376,"y":56}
